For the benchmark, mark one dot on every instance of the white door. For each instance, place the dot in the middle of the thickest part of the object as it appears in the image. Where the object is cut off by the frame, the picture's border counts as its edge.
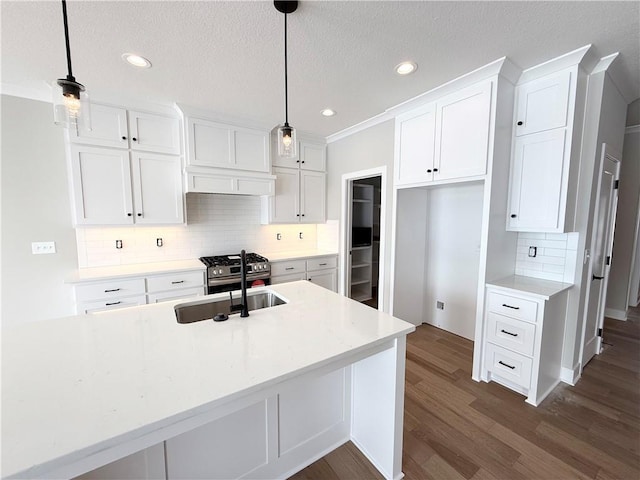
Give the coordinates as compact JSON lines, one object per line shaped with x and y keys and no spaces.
{"x":312,"y":197}
{"x":157,"y":187}
{"x":209,"y":143}
{"x":604,"y":221}
{"x":542,"y":104}
{"x":101,"y":186}
{"x":108,"y":128}
{"x":416,"y":143}
{"x":462,"y":133}
{"x":325,"y":278}
{"x":313,"y":157}
{"x":154,"y":133}
{"x":251,"y":150}
{"x":285,"y":204}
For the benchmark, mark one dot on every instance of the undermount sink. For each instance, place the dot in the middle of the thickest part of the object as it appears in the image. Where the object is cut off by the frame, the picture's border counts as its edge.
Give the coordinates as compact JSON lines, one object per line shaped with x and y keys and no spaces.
{"x":208,"y":309}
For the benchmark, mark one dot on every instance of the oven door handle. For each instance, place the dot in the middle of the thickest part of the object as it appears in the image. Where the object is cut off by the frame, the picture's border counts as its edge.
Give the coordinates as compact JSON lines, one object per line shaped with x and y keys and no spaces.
{"x":214,"y":282}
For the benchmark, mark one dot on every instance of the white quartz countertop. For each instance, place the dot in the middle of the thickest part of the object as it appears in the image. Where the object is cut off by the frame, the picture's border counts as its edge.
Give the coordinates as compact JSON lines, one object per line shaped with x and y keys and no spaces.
{"x":74,"y":386}
{"x":134,"y":270}
{"x":533,"y":286}
{"x":296,"y":254}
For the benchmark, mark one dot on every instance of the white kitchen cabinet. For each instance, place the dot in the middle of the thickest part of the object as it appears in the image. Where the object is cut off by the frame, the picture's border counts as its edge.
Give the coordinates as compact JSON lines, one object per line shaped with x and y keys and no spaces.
{"x":116,"y":187}
{"x":300,"y":197}
{"x":523,"y":336}
{"x":116,"y":127}
{"x":220,"y":145}
{"x":322,"y":271}
{"x":147,"y":464}
{"x":541,"y":153}
{"x":311,"y":156}
{"x":446,"y":140}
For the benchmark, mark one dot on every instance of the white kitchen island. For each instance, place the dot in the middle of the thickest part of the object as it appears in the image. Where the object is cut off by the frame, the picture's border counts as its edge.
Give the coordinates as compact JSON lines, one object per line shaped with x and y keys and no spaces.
{"x":139,"y":395}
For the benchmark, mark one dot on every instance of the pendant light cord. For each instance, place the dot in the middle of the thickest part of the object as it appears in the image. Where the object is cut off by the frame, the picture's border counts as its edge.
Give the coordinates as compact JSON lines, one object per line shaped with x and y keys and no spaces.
{"x":66,"y":38}
{"x":286,"y":85}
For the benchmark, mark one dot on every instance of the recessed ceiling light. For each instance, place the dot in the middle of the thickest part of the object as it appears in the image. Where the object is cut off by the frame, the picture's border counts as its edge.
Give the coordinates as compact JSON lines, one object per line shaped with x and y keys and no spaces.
{"x":136,"y":60}
{"x":327,"y":112}
{"x":405,"y":68}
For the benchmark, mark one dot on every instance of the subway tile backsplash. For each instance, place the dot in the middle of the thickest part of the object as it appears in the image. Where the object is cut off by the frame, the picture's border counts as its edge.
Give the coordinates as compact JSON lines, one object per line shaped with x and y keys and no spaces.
{"x":216,"y":224}
{"x":556,"y":256}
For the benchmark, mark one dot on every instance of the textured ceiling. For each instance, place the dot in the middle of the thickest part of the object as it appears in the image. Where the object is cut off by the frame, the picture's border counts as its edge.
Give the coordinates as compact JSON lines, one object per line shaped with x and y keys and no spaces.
{"x":228,"y":56}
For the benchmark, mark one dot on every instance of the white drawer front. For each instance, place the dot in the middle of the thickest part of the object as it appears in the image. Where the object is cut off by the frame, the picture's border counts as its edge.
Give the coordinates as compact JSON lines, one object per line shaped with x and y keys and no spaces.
{"x":286,"y":268}
{"x":294,"y":277}
{"x":509,"y":365}
{"x":110,"y":289}
{"x":174,"y":281}
{"x":512,"y":334}
{"x":111,"y":304}
{"x":322,"y":263}
{"x":514,"y":307}
{"x":175,"y":295}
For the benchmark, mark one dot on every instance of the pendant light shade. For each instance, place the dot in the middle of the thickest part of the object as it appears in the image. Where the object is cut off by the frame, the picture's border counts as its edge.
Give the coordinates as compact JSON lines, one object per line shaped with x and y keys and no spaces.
{"x":70,"y":99}
{"x":287,"y":142}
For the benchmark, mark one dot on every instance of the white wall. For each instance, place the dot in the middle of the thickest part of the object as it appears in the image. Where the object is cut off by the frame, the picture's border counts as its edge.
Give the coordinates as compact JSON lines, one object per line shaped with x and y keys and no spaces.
{"x":623,"y":243}
{"x":35,"y":207}
{"x":367,"y":149}
{"x":556,"y":256}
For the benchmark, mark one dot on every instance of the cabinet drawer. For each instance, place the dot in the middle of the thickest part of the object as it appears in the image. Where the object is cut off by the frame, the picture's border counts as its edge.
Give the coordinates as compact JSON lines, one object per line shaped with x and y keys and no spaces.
{"x":514,"y":307}
{"x":509,"y":365}
{"x":175,"y":295}
{"x":294,"y":277}
{"x":512,"y":334}
{"x":111,"y":304}
{"x":110,"y":289}
{"x":322,"y":263}
{"x":285,"y":268}
{"x":175,"y":281}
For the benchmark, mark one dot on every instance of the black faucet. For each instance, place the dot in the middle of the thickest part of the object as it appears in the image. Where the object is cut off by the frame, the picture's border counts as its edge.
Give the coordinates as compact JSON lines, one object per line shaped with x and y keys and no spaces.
{"x":243,"y":284}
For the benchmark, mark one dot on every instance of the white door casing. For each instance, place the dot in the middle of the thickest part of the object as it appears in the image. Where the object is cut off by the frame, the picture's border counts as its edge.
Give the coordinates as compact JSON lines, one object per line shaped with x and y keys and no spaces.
{"x":604,"y":220}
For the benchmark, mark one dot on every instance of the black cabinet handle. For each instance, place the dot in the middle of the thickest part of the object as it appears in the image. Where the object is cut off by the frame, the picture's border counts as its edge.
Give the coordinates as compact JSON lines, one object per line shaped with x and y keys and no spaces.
{"x":429,"y":171}
{"x":112,"y":290}
{"x":289,"y":268}
{"x":139,"y":214}
{"x":595,"y":277}
{"x":112,"y":303}
{"x":513,"y":215}
{"x":509,"y":306}
{"x":435,"y":169}
{"x":303,"y":214}
{"x":297,"y":214}
{"x":302,"y":161}
{"x":506,"y":365}
{"x":179,"y":281}
{"x":134,"y":139}
{"x":124,"y":138}
{"x":519,"y":123}
{"x":129,"y":214}
{"x":321,"y":264}
{"x":297,"y":161}
{"x":509,"y":333}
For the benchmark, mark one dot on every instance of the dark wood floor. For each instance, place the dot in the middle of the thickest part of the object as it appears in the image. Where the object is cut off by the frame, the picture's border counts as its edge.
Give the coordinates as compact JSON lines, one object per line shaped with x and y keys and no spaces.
{"x":455,"y":428}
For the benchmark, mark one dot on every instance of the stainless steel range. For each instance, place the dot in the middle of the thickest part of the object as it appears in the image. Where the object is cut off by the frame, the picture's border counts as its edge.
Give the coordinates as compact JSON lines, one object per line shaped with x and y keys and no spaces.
{"x":223,"y":271}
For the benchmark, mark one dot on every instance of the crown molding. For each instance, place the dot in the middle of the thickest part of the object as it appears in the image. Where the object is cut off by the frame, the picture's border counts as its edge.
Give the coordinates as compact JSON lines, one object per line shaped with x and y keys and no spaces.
{"x":570,"y":59}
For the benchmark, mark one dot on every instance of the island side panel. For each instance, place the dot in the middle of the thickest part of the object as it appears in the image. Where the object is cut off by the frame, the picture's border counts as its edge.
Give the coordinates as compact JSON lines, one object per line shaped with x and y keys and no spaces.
{"x":377,"y":405}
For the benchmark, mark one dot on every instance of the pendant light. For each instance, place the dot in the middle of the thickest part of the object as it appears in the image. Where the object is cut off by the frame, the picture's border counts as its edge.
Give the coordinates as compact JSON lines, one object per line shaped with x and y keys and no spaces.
{"x":70,"y":99}
{"x":287,"y":144}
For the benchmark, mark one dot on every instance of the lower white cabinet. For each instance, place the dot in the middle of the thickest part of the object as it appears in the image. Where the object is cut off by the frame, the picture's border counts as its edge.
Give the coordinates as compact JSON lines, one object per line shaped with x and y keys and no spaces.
{"x":147,"y":464}
{"x":129,"y":292}
{"x":322,"y":271}
{"x":523,"y":337}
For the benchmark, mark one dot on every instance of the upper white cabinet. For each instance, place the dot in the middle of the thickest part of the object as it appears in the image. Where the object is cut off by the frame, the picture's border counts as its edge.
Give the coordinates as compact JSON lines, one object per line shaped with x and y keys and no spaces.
{"x":110,"y":187}
{"x":311,"y":156}
{"x":116,"y":127}
{"x":541,"y":153}
{"x":299,"y":197}
{"x":219,"y":145}
{"x":446,"y":140}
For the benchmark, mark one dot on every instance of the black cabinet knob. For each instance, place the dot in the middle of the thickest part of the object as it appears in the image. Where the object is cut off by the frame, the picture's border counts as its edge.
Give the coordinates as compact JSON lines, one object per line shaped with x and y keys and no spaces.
{"x":297,"y":161}
{"x":129,"y":214}
{"x":519,"y":123}
{"x":124,"y":138}
{"x":297,"y":215}
{"x":303,"y":214}
{"x":139,"y":214}
{"x":435,"y":169}
{"x":429,"y":171}
{"x":513,"y":215}
{"x":302,"y":161}
{"x":134,"y":139}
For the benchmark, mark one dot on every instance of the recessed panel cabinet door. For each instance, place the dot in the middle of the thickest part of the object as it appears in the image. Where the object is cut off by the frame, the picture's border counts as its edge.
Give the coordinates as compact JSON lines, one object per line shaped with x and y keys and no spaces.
{"x":542,"y":104}
{"x":462,"y":133}
{"x":108,"y":128}
{"x":312,"y":197}
{"x":102,"y":186}
{"x":154,"y":133}
{"x":313,"y":157}
{"x":538,"y":186}
{"x":210,"y":144}
{"x":285,"y":206}
{"x":251,"y":150}
{"x":415,"y":137}
{"x":157,"y":188}
{"x":325,"y":278}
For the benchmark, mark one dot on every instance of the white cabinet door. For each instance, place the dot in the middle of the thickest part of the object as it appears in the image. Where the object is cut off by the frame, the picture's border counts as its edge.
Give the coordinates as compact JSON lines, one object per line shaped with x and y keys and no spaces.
{"x":462,"y":133}
{"x":154,"y":133}
{"x":251,"y":150}
{"x":101,"y":185}
{"x":285,"y":204}
{"x":313,"y":156}
{"x":538,"y":188}
{"x":325,"y":278}
{"x":542,"y":104}
{"x":312,"y":197}
{"x":415,"y":138}
{"x":108,"y":128}
{"x":157,"y":187}
{"x":210,"y":143}
{"x":147,"y":464}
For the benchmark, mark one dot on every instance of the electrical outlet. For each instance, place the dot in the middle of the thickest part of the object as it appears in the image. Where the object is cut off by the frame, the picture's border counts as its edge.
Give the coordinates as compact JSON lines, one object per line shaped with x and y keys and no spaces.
{"x":300,"y":236}
{"x":118,"y":244}
{"x":42,"y":248}
{"x":159,"y":242}
{"x":440,"y":305}
{"x":533,"y":251}
{"x":278,"y":236}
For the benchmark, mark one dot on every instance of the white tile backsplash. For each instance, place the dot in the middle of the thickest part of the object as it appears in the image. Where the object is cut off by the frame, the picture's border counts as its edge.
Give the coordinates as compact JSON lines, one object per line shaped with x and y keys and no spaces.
{"x":555,"y":259}
{"x":216,"y":224}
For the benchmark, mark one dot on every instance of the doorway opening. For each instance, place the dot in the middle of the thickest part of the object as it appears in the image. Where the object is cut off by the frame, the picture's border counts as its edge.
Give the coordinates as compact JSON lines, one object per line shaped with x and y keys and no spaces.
{"x":362,"y":243}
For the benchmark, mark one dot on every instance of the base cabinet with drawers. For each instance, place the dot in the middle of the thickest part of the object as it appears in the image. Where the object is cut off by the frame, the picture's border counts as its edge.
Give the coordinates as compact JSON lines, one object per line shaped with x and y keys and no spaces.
{"x":115,"y":293}
{"x":322,"y":271}
{"x":523,"y":336}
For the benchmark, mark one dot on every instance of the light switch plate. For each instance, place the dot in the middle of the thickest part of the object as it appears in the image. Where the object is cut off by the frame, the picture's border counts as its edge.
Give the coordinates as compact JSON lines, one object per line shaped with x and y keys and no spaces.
{"x":41,"y":248}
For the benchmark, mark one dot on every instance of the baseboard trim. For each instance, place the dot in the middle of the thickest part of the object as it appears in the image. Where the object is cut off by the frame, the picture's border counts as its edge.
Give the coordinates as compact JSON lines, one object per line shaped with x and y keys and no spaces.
{"x":615,"y":313}
{"x":570,"y":375}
